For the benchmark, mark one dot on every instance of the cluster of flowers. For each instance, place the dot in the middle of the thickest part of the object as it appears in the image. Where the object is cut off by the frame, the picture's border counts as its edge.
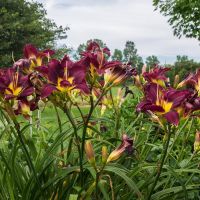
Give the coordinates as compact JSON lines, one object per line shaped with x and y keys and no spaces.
{"x":38,"y":77}
{"x":166,"y":103}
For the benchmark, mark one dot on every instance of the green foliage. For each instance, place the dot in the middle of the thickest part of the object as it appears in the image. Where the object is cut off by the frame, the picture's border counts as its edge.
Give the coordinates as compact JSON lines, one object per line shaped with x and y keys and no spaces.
{"x":183,"y":16}
{"x":130,"y":52}
{"x":62,"y":51}
{"x":117,"y":55}
{"x":151,"y":61}
{"x":182,"y":67}
{"x":130,"y":55}
{"x":128,"y":178}
{"x":23,"y":22}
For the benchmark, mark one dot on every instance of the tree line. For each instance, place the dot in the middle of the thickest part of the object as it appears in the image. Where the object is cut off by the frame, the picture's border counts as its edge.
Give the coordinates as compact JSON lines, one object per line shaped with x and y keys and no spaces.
{"x":23,"y":21}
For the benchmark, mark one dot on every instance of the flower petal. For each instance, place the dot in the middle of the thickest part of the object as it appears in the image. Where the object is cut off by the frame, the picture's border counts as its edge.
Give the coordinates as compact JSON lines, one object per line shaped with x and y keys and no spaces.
{"x":47,"y":90}
{"x":172,"y":117}
{"x":30,"y":51}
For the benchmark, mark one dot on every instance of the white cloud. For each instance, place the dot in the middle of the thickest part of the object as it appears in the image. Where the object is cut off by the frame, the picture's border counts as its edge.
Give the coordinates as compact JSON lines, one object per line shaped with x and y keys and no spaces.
{"x":116,"y":21}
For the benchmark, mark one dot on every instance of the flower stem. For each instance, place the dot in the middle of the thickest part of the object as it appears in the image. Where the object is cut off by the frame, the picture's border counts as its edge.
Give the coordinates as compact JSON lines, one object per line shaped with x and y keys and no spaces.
{"x":92,"y":107}
{"x":60,"y":129}
{"x":160,"y":166}
{"x":68,"y":113}
{"x":83,"y":137}
{"x":29,"y":161}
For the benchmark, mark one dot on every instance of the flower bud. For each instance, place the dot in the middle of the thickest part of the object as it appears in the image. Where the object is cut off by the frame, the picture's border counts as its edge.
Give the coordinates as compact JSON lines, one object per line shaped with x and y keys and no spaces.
{"x":104,"y":154}
{"x":89,"y":152}
{"x":176,"y":80}
{"x":126,"y":145}
{"x":197,"y":142}
{"x":89,"y":131}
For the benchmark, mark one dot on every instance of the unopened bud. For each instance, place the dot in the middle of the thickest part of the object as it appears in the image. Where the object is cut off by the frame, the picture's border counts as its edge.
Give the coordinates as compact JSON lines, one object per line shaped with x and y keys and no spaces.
{"x":176,"y":80}
{"x":41,"y":105}
{"x":89,"y":131}
{"x":115,"y":154}
{"x":144,"y":69}
{"x":197,"y":142}
{"x":138,"y":81}
{"x":126,"y":145}
{"x":89,"y":152}
{"x":104,"y":154}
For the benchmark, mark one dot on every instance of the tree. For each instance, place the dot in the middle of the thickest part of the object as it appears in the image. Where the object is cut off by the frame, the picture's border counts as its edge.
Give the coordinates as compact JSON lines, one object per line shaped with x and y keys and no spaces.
{"x":117,"y":55}
{"x":184,"y":16}
{"x":130,"y":55}
{"x":24,"y":22}
{"x":183,"y":66}
{"x":130,"y":52}
{"x":151,"y":61}
{"x":140,"y":64}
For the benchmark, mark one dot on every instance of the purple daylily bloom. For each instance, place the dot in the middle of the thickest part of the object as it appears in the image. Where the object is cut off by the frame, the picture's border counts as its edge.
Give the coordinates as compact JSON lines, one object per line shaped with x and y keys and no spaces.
{"x":15,"y":85}
{"x":166,"y":103}
{"x":194,"y":81}
{"x":64,"y":76}
{"x":33,"y":58}
{"x":119,"y":73}
{"x":95,"y":58}
{"x":156,"y":75}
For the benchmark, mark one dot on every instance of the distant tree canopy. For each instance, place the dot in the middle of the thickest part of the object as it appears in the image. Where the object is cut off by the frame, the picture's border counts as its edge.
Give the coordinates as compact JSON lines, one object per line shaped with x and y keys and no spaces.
{"x":184,"y":16}
{"x":117,"y":55}
{"x":129,"y":54}
{"x":151,"y":61}
{"x":24,"y":22}
{"x":182,"y":67}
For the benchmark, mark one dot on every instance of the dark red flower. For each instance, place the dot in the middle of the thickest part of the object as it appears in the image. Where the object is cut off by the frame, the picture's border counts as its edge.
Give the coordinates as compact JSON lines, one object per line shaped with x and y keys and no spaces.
{"x":156,"y":75}
{"x":33,"y":58}
{"x":165,"y":103}
{"x":15,"y":85}
{"x":96,"y":60}
{"x":192,"y":80}
{"x":118,"y":74}
{"x":192,"y":105}
{"x":64,"y":76}
{"x":24,"y":107}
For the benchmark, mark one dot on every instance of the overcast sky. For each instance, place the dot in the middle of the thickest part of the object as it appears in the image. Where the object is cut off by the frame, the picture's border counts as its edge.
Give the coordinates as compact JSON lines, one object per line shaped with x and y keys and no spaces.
{"x":116,"y":21}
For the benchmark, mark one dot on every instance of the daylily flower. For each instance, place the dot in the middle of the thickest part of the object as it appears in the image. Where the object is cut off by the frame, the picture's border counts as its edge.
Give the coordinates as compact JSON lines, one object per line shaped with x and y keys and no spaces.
{"x":64,"y":77}
{"x":24,"y":107}
{"x":192,"y":80}
{"x":22,"y":64}
{"x":165,"y":103}
{"x":126,"y":145}
{"x":33,"y":58}
{"x":118,"y":74}
{"x":192,"y":105}
{"x":156,"y":75}
{"x":95,"y":57}
{"x":15,"y":85}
